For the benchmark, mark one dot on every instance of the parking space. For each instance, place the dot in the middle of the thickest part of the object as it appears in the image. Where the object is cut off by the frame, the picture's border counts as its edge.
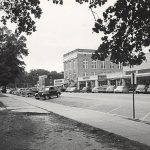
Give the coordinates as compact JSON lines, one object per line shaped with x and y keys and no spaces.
{"x":113,"y":103}
{"x":117,"y":104}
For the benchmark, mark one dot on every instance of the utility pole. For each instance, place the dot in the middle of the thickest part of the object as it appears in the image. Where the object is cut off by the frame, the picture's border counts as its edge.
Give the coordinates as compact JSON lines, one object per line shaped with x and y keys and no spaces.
{"x":133,"y":82}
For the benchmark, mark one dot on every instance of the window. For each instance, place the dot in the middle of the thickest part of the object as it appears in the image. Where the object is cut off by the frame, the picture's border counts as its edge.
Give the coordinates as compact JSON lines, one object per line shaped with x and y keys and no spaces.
{"x":111,"y":65}
{"x":94,"y":64}
{"x":85,"y":63}
{"x":70,"y":65}
{"x":120,"y":65}
{"x":103,"y":64}
{"x":74,"y":65}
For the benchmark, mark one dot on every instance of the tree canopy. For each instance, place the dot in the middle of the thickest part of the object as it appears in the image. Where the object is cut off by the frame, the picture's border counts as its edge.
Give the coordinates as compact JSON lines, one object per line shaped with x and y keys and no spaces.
{"x":125,"y":25}
{"x":21,"y":12}
{"x":126,"y":28}
{"x":33,"y":76}
{"x":12,"y":50}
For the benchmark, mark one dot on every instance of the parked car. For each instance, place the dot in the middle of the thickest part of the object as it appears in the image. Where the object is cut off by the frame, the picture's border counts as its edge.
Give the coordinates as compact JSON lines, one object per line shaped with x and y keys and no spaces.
{"x":141,"y":88}
{"x":95,"y":89}
{"x":86,"y":89}
{"x":121,"y":89}
{"x":68,"y":89}
{"x":103,"y":88}
{"x":74,"y":89}
{"x":19,"y":91}
{"x":29,"y":92}
{"x":110,"y":89}
{"x":148,"y":89}
{"x":48,"y":92}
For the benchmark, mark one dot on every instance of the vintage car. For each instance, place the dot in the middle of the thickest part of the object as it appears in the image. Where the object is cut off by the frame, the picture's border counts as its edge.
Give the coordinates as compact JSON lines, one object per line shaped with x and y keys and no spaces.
{"x":121,"y":89}
{"x":48,"y":92}
{"x":110,"y":89}
{"x":30,"y":92}
{"x":99,"y":89}
{"x":141,"y":88}
{"x":148,"y":89}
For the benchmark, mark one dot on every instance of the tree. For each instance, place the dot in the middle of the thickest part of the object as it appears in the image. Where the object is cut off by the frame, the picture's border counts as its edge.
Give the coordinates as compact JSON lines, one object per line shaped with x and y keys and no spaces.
{"x":126,"y":28}
{"x":21,"y":12}
{"x":33,"y":75}
{"x":24,"y":12}
{"x":12,"y":50}
{"x":125,"y":25}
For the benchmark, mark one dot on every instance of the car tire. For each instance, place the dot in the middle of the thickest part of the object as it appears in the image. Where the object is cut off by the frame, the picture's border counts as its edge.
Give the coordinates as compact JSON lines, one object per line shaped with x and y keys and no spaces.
{"x":37,"y":96}
{"x":58,"y":95}
{"x":46,"y":97}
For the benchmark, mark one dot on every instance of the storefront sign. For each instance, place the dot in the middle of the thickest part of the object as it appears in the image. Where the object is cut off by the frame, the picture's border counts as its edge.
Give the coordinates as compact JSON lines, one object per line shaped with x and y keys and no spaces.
{"x":86,"y":78}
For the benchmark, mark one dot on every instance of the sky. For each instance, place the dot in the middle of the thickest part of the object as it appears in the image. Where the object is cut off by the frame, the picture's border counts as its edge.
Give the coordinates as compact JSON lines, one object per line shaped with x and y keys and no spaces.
{"x":61,"y":29}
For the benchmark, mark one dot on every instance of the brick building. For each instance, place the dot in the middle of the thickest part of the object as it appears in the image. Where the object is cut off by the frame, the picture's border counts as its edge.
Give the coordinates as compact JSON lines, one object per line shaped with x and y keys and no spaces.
{"x":81,"y":70}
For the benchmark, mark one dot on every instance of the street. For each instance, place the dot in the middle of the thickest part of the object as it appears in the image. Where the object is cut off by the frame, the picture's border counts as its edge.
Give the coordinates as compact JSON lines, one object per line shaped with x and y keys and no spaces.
{"x":27,"y":127}
{"x":117,"y":104}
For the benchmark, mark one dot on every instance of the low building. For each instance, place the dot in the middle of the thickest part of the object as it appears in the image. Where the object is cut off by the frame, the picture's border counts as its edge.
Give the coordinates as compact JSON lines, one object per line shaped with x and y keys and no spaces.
{"x":59,"y":82}
{"x":142,"y":72}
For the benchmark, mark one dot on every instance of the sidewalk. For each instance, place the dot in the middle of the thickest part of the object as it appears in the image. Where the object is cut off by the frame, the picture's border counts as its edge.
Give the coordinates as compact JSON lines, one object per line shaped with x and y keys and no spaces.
{"x":132,"y":130}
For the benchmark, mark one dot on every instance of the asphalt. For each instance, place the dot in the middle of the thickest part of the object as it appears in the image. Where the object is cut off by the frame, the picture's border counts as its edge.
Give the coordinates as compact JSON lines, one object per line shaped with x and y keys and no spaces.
{"x":133,"y":130}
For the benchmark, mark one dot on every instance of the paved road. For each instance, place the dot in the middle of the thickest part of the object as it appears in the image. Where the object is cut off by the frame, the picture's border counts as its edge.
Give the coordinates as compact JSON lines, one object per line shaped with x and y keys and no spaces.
{"x":117,"y":104}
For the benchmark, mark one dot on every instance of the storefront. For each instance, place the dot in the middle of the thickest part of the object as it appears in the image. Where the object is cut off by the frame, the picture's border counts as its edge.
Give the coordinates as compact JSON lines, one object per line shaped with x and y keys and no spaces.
{"x":90,"y":81}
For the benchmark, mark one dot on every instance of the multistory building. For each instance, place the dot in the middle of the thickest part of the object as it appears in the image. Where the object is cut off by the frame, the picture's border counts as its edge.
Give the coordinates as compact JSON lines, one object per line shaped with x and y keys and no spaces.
{"x":81,"y":70}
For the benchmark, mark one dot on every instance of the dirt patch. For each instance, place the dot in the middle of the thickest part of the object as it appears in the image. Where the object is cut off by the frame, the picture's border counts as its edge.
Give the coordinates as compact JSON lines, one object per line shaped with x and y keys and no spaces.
{"x":53,"y":132}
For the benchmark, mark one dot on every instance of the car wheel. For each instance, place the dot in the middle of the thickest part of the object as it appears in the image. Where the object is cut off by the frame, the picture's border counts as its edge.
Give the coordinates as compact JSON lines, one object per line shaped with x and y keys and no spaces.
{"x":58,"y":95}
{"x":37,"y":96}
{"x":46,"y":97}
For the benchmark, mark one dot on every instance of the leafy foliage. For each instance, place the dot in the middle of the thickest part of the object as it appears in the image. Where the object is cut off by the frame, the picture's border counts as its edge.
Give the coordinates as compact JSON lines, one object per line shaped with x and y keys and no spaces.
{"x":33,"y":75}
{"x":126,"y":28}
{"x":21,"y":12}
{"x":24,"y":12}
{"x":12,"y":49}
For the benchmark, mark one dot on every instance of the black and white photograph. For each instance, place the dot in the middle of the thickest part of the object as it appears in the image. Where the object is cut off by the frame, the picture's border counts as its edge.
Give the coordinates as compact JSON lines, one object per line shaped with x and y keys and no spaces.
{"x":74,"y":74}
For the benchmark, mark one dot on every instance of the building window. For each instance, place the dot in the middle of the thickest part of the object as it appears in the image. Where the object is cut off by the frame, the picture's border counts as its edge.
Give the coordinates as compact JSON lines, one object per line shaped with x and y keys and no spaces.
{"x":94,"y":64}
{"x":85,"y":63}
{"x":74,"y":65}
{"x":111,"y":65}
{"x":120,"y":65}
{"x":70,"y":65}
{"x":103,"y":65}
